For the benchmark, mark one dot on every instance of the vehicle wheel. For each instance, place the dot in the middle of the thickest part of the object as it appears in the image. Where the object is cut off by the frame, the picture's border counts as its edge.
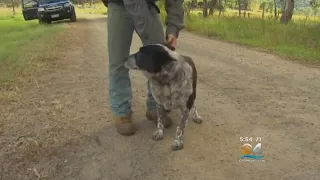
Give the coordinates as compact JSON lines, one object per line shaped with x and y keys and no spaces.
{"x":25,"y":18}
{"x":73,"y":17}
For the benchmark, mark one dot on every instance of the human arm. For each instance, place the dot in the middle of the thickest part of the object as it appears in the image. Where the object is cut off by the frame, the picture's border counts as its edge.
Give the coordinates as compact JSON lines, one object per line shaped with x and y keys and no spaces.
{"x":175,"y":17}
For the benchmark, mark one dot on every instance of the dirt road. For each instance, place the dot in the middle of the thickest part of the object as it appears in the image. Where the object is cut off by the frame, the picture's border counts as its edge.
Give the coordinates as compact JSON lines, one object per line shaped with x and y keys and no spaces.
{"x":62,"y":130}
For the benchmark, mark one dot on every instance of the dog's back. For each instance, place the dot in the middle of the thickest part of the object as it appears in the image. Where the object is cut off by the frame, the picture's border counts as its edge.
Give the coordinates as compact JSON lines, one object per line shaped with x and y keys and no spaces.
{"x":192,"y":97}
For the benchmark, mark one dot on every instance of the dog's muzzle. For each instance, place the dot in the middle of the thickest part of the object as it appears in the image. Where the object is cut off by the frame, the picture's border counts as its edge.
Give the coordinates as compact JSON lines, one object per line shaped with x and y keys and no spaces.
{"x":130,"y":62}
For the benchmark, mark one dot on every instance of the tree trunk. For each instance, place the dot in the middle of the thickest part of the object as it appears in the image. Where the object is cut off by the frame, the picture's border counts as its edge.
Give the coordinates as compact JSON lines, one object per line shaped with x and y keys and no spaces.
{"x":275,"y":9}
{"x":13,"y":8}
{"x":205,"y":8}
{"x":263,"y":9}
{"x":239,"y":7}
{"x":210,"y":9}
{"x":246,"y":5}
{"x":287,"y":14}
{"x":82,"y":3}
{"x":220,"y":7}
{"x":212,"y":4}
{"x":187,"y":10}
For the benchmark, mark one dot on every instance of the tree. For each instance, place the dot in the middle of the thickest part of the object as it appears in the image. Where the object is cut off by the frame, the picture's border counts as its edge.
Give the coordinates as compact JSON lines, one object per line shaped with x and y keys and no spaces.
{"x":288,"y":12}
{"x":230,"y":4}
{"x":275,"y":9}
{"x":315,"y":4}
{"x":205,"y":8}
{"x":13,"y":8}
{"x":245,"y":4}
{"x":269,"y":6}
{"x":239,"y":7}
{"x":220,"y":7}
{"x":187,"y":8}
{"x":212,"y":4}
{"x":263,"y":7}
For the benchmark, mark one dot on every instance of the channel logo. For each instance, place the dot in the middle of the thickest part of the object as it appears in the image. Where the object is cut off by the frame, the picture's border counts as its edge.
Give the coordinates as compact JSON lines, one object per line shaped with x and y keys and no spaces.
{"x":249,"y":153}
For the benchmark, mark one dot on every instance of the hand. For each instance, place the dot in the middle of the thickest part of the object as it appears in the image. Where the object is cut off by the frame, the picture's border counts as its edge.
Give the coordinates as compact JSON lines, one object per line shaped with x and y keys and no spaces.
{"x":172,"y":40}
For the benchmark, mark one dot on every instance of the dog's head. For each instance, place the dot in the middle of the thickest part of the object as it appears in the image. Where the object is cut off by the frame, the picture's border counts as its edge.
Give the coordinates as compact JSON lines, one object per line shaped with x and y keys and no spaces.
{"x":152,"y":58}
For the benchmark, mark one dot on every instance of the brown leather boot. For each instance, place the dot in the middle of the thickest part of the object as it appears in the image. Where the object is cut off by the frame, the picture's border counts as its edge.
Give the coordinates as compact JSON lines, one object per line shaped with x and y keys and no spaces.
{"x":124,"y":125}
{"x":152,"y":116}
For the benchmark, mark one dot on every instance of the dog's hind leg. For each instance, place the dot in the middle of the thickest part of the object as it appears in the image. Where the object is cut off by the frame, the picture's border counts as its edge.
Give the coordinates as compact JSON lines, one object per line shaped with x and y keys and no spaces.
{"x":196,"y":117}
{"x":158,"y":134}
{"x":178,"y":140}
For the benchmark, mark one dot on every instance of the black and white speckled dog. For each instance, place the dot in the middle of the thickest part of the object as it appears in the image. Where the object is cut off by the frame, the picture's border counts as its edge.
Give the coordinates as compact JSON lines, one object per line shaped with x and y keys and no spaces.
{"x":173,"y":80}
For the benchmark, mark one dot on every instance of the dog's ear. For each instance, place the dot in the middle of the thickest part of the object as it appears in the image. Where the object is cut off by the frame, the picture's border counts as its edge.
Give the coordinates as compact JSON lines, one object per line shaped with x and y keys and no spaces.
{"x":169,"y":46}
{"x":152,"y":58}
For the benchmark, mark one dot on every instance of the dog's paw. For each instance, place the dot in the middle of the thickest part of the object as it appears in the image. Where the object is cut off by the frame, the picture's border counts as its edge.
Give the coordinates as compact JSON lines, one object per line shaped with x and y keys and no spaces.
{"x":177,"y":145}
{"x":158,"y":135}
{"x":198,"y":120}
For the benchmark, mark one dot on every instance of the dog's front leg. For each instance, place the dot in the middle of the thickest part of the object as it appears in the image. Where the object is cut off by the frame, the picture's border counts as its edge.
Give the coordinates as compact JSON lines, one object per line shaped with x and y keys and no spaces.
{"x":158,"y":135}
{"x":178,"y":140}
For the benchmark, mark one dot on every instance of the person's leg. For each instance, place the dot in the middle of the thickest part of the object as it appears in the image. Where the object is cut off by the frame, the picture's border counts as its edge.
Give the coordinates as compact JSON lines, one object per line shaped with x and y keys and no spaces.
{"x":156,"y":31}
{"x":120,"y":31}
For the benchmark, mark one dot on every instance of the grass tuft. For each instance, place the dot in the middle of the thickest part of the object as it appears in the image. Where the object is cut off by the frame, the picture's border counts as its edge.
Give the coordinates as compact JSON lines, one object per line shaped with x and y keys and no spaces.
{"x":20,"y":49}
{"x":16,"y":32}
{"x":299,"y":39}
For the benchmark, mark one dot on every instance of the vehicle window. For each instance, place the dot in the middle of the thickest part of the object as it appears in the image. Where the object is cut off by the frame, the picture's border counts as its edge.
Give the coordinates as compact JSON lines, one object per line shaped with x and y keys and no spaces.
{"x":48,"y":1}
{"x":29,"y":3}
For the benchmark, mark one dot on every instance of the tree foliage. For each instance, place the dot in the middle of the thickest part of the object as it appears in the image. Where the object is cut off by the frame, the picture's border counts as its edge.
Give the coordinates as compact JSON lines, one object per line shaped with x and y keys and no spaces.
{"x":315,"y":5}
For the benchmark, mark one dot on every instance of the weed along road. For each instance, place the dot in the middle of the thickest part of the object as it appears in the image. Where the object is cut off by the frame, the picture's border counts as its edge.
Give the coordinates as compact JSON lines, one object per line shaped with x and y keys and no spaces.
{"x":61,"y":128}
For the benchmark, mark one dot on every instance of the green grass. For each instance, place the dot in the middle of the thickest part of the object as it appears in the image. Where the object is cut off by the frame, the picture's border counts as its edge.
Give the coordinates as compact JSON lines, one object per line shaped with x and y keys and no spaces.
{"x":15,"y":32}
{"x":298,"y":39}
{"x":17,"y":38}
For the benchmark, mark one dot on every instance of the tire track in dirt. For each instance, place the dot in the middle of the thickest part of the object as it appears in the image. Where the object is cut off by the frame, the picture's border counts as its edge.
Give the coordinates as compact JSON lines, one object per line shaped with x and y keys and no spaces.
{"x":242,"y":92}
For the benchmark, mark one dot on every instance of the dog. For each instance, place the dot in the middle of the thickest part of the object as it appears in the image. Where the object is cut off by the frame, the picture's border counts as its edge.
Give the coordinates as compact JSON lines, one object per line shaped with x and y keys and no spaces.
{"x":173,"y":82}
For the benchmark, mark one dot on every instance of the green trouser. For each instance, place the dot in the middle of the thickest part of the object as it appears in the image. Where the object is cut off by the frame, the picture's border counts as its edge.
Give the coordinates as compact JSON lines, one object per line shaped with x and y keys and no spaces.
{"x":120,"y":32}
